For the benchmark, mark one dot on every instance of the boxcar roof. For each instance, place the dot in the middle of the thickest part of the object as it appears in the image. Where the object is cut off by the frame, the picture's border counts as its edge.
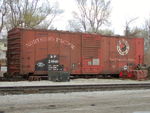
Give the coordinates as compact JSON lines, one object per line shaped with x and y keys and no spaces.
{"x":71,"y":32}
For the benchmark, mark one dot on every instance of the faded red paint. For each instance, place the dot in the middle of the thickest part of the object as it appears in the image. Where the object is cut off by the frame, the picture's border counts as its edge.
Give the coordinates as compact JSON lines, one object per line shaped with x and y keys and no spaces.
{"x":79,"y":53}
{"x":134,"y":74}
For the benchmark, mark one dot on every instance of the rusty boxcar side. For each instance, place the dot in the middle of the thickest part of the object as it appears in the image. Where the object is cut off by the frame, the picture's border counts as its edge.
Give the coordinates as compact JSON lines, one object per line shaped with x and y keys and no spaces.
{"x":30,"y":51}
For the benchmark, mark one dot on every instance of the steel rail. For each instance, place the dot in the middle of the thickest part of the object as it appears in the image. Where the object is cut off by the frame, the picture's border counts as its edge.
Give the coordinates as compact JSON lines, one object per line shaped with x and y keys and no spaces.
{"x":70,"y":88}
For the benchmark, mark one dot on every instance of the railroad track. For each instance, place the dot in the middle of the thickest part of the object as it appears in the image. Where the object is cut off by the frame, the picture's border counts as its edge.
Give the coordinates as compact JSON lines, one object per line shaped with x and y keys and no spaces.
{"x":70,"y":88}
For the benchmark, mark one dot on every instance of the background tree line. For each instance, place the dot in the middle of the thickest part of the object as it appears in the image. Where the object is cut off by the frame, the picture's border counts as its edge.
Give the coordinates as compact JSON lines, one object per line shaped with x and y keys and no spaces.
{"x":91,"y":16}
{"x":27,"y":13}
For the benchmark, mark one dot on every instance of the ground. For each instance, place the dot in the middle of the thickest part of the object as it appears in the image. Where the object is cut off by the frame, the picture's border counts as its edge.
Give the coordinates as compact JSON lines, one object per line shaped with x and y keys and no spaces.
{"x":72,"y":82}
{"x":133,"y":101}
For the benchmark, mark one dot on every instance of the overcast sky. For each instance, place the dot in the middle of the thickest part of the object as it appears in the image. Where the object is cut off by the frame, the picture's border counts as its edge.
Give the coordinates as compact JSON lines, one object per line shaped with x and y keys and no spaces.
{"x":122,"y":10}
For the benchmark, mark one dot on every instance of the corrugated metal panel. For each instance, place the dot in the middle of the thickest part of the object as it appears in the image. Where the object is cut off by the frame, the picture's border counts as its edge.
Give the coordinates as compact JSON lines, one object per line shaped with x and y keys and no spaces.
{"x":14,"y":51}
{"x":91,"y":54}
{"x":77,"y":53}
{"x":90,"y":47}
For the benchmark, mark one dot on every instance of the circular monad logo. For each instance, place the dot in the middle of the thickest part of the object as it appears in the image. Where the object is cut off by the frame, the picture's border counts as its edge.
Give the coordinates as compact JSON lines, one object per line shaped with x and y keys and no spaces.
{"x":123,"y":47}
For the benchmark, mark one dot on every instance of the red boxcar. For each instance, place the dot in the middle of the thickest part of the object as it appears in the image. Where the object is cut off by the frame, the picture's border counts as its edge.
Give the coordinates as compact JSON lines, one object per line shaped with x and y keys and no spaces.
{"x":35,"y":51}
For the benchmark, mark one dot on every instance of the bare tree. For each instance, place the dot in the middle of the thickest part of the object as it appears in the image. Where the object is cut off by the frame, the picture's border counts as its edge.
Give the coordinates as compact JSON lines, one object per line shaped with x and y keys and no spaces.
{"x":75,"y":26}
{"x":143,"y":32}
{"x":128,"y":30}
{"x":30,"y":13}
{"x":3,"y":12}
{"x":147,"y":28}
{"x":92,"y":14}
{"x":146,"y":34}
